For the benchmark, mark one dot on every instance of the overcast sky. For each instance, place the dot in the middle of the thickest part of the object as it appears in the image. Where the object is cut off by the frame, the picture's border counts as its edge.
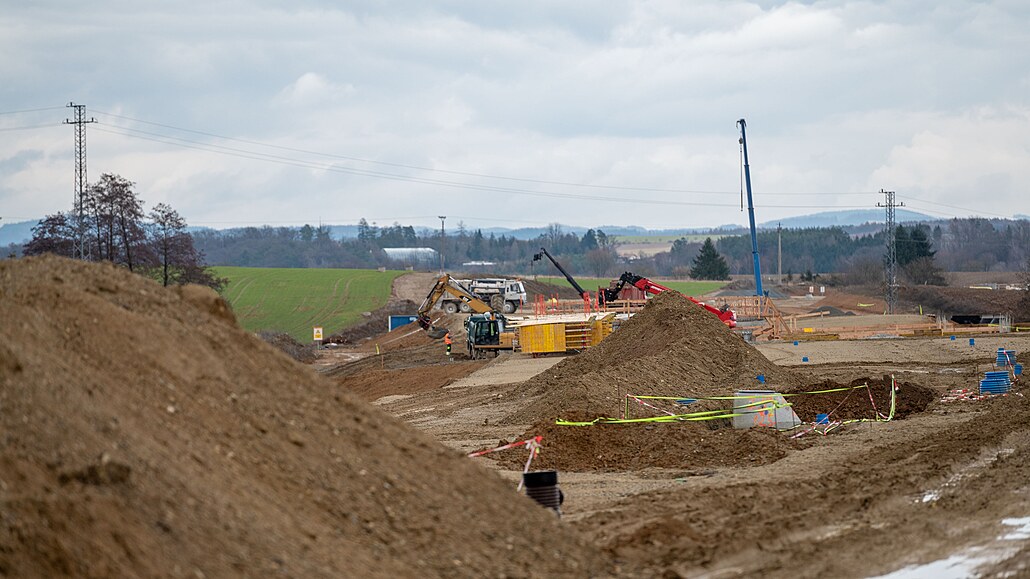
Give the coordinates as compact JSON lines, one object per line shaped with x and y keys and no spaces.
{"x":520,"y":113}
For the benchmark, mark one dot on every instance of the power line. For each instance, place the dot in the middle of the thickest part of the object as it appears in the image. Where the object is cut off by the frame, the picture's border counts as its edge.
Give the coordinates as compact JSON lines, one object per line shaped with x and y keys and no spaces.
{"x":26,"y":127}
{"x":254,"y":155}
{"x":446,"y":171}
{"x":952,"y":207}
{"x":30,"y":110}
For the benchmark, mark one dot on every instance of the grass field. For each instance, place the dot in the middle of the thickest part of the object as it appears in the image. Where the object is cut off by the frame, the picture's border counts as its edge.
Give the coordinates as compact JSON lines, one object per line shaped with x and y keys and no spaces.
{"x":296,"y":300}
{"x":690,"y":288}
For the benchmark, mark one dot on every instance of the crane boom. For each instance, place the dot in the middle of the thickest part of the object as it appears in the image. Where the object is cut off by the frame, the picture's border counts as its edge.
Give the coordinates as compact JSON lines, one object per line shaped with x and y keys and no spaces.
{"x":543,"y":252}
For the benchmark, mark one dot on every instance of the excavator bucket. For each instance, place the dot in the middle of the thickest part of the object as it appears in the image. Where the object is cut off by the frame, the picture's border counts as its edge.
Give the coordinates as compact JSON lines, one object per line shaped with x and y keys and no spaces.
{"x":436,"y":333}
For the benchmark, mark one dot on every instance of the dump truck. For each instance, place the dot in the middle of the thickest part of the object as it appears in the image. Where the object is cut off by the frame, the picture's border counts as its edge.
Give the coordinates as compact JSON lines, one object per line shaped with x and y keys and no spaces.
{"x":503,"y":295}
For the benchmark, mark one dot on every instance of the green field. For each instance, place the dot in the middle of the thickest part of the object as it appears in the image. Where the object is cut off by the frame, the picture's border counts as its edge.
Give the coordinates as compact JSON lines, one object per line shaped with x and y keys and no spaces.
{"x":296,"y":300}
{"x":690,"y":288}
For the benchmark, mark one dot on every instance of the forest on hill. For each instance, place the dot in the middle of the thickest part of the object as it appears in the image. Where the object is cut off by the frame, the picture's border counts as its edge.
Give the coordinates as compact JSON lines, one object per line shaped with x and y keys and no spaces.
{"x":970,"y":244}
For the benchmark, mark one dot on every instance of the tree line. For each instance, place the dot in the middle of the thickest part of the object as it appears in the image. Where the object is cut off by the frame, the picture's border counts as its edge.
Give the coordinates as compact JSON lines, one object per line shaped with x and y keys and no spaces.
{"x":117,"y":229}
{"x":112,"y":226}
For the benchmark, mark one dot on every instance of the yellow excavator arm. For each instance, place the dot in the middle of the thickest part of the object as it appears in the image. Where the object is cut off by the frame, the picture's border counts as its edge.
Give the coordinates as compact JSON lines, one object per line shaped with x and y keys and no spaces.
{"x":447,"y":284}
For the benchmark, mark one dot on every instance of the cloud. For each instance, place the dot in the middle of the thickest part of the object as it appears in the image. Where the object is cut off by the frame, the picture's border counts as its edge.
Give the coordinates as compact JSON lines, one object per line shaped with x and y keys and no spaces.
{"x":638,"y":99}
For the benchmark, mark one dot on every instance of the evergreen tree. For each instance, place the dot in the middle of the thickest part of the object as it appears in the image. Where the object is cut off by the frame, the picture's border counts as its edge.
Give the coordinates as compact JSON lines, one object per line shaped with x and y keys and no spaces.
{"x":589,"y":241}
{"x":709,"y":264}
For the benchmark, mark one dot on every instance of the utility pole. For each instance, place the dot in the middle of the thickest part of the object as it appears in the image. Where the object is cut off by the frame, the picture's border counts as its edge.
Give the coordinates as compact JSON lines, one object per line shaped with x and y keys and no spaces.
{"x":78,"y":244}
{"x":779,"y":255}
{"x":443,"y":236}
{"x":892,"y":250}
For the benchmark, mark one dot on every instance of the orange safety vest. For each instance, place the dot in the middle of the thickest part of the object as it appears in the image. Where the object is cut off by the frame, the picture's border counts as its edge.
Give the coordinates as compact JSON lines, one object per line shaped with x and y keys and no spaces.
{"x":447,"y":338}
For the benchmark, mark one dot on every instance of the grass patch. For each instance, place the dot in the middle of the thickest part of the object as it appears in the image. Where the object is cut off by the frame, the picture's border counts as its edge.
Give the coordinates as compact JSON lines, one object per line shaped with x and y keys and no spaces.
{"x":296,"y":300}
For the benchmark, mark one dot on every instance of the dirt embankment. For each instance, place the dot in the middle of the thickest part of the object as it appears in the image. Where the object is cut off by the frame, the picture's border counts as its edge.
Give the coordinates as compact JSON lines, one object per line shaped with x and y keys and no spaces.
{"x":145,"y":434}
{"x":671,"y":348}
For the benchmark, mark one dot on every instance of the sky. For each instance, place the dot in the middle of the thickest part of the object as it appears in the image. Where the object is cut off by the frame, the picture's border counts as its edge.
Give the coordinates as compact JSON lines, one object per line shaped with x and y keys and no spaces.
{"x":518,"y":114}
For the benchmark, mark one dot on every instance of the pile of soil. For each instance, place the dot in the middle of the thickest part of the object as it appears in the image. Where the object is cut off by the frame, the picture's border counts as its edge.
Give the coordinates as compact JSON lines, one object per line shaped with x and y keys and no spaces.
{"x":670,"y":348}
{"x":632,"y":447}
{"x":288,"y":345}
{"x":911,"y":398}
{"x":958,"y":300}
{"x":373,"y":384}
{"x":374,"y":324}
{"x":145,"y":434}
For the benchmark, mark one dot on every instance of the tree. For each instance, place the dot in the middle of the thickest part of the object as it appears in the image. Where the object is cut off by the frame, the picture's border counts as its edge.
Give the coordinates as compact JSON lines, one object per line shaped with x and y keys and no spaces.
{"x":1022,"y":312}
{"x":115,"y":217}
{"x":923,"y":271}
{"x":912,"y":244}
{"x":600,"y":261}
{"x":54,"y":234}
{"x":172,"y":245}
{"x":589,"y":241}
{"x":709,"y":264}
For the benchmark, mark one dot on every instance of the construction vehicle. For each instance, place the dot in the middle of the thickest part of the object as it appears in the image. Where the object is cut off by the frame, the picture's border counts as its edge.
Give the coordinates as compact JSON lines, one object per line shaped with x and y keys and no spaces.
{"x":582,"y":292}
{"x":488,"y":333}
{"x":726,"y":315}
{"x":486,"y":329}
{"x":503,"y":295}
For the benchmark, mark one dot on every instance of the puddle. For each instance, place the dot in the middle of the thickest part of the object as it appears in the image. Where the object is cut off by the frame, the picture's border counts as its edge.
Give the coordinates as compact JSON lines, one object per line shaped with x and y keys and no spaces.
{"x":967,"y":563}
{"x":967,"y":471}
{"x":1022,"y":533}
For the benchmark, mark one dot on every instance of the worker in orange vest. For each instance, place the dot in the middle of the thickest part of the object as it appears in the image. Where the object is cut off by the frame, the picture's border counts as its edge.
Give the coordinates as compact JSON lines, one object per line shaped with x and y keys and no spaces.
{"x":447,"y":340}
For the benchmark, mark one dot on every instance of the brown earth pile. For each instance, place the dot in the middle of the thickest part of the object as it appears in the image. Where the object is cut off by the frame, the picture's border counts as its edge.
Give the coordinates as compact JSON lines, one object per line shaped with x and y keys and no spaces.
{"x":145,"y":434}
{"x":960,"y":300}
{"x":670,"y":348}
{"x":288,"y":345}
{"x":631,"y":447}
{"x":375,"y":324}
{"x":852,"y":404}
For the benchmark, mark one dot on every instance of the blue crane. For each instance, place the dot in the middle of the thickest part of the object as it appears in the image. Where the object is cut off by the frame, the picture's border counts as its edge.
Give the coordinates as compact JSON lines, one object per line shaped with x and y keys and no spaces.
{"x":751,"y":211}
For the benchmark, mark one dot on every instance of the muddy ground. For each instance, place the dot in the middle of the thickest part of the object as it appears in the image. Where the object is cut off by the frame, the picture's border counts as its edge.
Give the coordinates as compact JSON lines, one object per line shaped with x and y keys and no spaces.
{"x":145,"y":434}
{"x":943,"y":479}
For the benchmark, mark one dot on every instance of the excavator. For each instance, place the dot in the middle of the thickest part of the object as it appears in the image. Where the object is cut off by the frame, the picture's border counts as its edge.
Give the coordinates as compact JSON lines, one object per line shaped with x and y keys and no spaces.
{"x":486,"y":329}
{"x":726,"y":315}
{"x":610,"y":294}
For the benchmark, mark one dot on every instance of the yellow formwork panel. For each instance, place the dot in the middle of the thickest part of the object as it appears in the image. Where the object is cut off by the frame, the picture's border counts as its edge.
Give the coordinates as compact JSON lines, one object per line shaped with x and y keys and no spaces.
{"x":542,"y":338}
{"x":600,"y":330}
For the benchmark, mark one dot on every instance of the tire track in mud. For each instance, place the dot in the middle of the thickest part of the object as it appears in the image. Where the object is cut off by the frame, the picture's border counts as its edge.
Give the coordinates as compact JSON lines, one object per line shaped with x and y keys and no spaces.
{"x":855,"y":510}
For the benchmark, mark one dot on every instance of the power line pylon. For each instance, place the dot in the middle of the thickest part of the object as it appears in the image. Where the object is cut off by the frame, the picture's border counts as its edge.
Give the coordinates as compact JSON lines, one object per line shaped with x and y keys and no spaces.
{"x":891,"y":265}
{"x":79,"y":249}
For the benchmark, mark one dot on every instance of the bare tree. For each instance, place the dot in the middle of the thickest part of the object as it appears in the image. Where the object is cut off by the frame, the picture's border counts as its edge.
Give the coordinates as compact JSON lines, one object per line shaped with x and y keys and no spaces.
{"x":116,"y":219}
{"x":54,"y":234}
{"x":171,"y":244}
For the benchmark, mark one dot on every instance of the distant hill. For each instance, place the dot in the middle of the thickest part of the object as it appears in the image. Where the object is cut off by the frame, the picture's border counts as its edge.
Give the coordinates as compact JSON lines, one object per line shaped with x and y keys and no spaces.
{"x":19,"y":232}
{"x":844,"y":218}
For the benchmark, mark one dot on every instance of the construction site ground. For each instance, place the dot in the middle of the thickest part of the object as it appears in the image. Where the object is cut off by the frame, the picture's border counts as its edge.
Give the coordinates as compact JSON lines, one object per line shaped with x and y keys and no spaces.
{"x":145,"y":434}
{"x":943,"y":487}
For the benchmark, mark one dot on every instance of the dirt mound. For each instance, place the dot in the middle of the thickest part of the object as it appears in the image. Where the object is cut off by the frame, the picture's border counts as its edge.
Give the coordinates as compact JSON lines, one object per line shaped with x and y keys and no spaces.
{"x":374,"y":324}
{"x":145,"y":434}
{"x":851,"y":404}
{"x":958,"y":300}
{"x":631,"y":447}
{"x":288,"y":345}
{"x":672,"y":348}
{"x":373,"y":384}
